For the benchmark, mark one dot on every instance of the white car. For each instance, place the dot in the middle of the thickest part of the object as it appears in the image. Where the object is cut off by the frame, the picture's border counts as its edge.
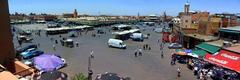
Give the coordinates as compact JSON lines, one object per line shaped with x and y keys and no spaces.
{"x":137,"y":37}
{"x":158,"y":30}
{"x":175,"y":46}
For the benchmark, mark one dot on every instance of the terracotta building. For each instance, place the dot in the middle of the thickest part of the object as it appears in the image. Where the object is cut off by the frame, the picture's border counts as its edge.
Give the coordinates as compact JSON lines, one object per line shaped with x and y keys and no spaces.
{"x":200,"y":21}
{"x":228,"y":20}
{"x":214,"y":25}
{"x":71,"y":15}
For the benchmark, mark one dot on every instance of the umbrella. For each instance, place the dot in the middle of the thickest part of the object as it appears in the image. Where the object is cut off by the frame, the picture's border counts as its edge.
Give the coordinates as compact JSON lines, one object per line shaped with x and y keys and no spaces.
{"x":48,"y":62}
{"x":188,"y":50}
{"x":181,"y":53}
{"x":193,"y":55}
{"x":179,"y":50}
{"x":54,"y":75}
{"x":109,"y":76}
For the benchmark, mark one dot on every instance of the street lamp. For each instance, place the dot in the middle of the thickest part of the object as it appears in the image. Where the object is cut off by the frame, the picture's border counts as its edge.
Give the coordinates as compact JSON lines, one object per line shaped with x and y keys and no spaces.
{"x":90,"y":72}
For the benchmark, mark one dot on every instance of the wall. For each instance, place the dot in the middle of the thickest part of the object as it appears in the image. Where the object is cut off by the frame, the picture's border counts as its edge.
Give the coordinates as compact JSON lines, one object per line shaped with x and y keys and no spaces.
{"x":186,"y":21}
{"x":7,"y":54}
{"x":214,"y":25}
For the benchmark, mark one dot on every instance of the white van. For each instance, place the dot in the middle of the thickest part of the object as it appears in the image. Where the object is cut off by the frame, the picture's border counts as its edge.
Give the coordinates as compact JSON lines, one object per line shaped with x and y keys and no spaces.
{"x":116,"y":43}
{"x":137,"y":37}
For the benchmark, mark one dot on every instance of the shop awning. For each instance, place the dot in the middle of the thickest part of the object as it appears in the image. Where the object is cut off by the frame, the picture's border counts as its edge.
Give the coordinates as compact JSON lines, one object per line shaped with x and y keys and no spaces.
{"x":229,"y":31}
{"x":209,"y":48}
{"x":199,"y":52}
{"x":225,"y":59}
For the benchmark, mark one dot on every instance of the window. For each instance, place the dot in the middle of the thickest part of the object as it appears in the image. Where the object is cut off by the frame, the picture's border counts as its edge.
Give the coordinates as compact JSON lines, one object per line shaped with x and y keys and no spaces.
{"x":186,"y":21}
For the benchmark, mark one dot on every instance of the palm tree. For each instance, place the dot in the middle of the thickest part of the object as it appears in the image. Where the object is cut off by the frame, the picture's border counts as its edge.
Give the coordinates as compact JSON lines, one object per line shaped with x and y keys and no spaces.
{"x":79,"y":76}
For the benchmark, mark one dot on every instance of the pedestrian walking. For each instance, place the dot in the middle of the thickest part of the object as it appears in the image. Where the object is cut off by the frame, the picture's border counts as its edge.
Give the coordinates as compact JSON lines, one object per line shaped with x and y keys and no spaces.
{"x":149,"y":48}
{"x":161,"y":46}
{"x":140,"y":52}
{"x":91,"y":54}
{"x":162,"y":54}
{"x":62,"y":43}
{"x":178,"y":72}
{"x":51,"y":39}
{"x":56,"y":42}
{"x":20,"y":42}
{"x":77,"y":44}
{"x":54,"y":48}
{"x":144,"y":47}
{"x":135,"y":53}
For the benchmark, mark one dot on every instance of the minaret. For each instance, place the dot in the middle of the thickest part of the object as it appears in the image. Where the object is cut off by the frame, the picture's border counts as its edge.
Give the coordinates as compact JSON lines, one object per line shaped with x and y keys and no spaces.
{"x":186,"y":8}
{"x":164,"y":16}
{"x":75,"y":14}
{"x":138,"y":15}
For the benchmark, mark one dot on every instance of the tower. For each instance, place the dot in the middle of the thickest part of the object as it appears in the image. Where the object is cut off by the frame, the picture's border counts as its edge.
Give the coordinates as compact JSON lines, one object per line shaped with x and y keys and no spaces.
{"x":164,"y":16}
{"x":75,"y":13}
{"x":186,"y":8}
{"x":138,"y":15}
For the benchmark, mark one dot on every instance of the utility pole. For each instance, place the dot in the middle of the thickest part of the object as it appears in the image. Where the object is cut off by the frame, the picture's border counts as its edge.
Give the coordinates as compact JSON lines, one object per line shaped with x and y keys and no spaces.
{"x":90,"y":72}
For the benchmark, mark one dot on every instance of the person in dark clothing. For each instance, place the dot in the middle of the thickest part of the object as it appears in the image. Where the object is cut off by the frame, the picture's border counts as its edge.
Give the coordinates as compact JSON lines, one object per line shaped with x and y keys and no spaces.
{"x":162,"y":54}
{"x":56,"y":41}
{"x":149,"y":48}
{"x":77,"y":44}
{"x":135,"y":53}
{"x":62,"y":43}
{"x":144,"y":47}
{"x":20,"y":42}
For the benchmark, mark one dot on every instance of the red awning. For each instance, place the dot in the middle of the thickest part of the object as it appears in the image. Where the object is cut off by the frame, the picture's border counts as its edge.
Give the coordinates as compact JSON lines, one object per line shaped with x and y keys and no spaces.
{"x":225,"y":59}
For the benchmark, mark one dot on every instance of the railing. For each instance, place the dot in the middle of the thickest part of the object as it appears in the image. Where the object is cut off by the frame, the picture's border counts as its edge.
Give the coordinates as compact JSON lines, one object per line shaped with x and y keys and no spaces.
{"x":24,"y":72}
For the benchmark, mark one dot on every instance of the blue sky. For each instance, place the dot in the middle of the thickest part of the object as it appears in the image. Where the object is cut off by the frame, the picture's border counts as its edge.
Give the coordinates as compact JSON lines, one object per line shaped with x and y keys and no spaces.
{"x":122,"y":7}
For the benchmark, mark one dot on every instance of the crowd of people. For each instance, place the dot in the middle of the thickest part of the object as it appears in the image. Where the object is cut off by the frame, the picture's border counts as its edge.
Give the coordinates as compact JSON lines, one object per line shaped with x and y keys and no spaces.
{"x":204,"y":70}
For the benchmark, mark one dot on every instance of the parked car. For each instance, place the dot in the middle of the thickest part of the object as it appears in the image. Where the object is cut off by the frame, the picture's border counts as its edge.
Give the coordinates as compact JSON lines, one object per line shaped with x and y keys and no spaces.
{"x":24,"y":38}
{"x":68,"y":43}
{"x":29,"y":55}
{"x":145,"y":36}
{"x":116,"y":43}
{"x":137,"y":37}
{"x":72,"y":34}
{"x":175,"y":46}
{"x":100,"y":31}
{"x":19,"y":50}
{"x":158,"y":30}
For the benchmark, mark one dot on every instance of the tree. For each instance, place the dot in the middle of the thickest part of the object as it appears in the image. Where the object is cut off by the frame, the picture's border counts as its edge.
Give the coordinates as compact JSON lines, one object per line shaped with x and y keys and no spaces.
{"x":79,"y":76}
